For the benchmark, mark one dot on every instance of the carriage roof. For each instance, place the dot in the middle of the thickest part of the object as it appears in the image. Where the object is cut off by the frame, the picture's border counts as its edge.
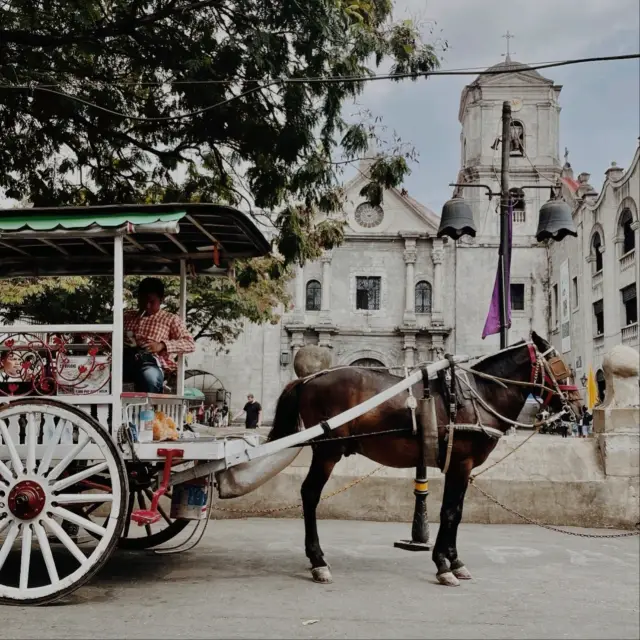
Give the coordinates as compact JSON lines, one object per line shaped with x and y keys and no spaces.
{"x":57,"y":241}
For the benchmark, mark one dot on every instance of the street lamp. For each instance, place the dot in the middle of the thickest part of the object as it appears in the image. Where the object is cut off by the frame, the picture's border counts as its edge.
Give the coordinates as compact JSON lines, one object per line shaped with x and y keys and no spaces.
{"x":555,"y":221}
{"x":584,"y":380}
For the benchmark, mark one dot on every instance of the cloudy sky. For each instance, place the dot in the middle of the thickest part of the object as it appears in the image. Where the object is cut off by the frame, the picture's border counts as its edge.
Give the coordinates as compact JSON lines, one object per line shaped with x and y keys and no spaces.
{"x":600,"y":118}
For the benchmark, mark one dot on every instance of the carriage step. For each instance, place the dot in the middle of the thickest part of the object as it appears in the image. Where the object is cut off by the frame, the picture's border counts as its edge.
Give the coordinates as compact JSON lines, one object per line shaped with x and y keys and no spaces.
{"x":410,"y":545}
{"x":145,"y":516}
{"x":152,"y":515}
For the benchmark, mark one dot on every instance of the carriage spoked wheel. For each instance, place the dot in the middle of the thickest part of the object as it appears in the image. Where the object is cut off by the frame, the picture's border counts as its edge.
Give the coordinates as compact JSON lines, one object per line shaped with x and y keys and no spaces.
{"x":56,"y":463}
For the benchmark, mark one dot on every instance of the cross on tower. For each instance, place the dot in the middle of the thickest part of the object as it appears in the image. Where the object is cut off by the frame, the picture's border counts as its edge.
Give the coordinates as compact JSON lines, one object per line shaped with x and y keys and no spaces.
{"x":508,"y":36}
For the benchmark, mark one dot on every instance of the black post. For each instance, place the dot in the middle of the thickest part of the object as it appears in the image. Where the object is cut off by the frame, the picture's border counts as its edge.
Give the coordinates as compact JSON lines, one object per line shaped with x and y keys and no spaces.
{"x":420,"y":526}
{"x":504,"y":230}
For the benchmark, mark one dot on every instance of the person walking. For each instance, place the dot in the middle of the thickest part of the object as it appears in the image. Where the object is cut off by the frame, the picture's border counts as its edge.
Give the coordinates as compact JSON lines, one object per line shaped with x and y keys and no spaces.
{"x":585,"y":422}
{"x":253,"y":413}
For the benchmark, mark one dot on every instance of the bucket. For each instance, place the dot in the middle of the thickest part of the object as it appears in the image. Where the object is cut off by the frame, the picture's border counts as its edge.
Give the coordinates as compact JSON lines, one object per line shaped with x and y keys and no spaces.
{"x":189,"y":500}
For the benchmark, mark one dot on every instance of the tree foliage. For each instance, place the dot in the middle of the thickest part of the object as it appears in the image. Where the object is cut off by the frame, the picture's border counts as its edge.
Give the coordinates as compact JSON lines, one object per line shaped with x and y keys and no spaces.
{"x":232,"y":101}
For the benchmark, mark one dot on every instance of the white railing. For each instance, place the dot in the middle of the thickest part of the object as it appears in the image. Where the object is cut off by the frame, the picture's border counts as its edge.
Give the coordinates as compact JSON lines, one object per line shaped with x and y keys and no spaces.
{"x":628,"y":260}
{"x":598,"y":342}
{"x":597,"y":279}
{"x":630,"y":333}
{"x":42,"y":360}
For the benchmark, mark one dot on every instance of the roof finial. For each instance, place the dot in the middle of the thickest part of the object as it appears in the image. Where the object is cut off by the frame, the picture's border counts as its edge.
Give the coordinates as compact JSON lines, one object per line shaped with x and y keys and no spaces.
{"x":508,"y":36}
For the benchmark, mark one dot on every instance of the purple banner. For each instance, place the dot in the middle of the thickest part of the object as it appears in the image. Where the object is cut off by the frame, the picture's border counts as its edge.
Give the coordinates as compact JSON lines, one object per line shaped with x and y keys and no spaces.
{"x":492,"y":325}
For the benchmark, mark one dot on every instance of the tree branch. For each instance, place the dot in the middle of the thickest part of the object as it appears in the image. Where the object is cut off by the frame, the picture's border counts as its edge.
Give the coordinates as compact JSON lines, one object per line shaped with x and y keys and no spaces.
{"x":125,"y":27}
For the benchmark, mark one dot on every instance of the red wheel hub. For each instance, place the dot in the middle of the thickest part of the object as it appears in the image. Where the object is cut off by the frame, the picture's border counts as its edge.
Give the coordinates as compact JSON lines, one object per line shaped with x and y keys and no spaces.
{"x":26,"y":500}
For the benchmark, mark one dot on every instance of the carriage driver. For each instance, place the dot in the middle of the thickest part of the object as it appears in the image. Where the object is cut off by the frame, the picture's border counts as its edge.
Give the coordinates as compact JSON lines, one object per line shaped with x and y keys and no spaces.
{"x":151,"y":337}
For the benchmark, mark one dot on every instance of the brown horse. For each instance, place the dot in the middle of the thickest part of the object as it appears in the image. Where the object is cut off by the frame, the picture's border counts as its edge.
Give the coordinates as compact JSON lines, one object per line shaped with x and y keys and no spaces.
{"x":312,"y":401}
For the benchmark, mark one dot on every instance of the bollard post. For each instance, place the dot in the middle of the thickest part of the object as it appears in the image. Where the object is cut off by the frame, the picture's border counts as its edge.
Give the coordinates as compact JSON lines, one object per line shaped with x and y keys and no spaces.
{"x":420,"y":526}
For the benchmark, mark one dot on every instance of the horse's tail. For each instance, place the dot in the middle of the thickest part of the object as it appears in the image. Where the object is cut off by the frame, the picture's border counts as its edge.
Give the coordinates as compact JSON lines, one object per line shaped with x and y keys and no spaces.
{"x":287,"y":419}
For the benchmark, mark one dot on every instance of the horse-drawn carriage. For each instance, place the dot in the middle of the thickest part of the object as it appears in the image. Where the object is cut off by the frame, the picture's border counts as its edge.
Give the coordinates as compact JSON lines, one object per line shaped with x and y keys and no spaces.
{"x":70,"y":463}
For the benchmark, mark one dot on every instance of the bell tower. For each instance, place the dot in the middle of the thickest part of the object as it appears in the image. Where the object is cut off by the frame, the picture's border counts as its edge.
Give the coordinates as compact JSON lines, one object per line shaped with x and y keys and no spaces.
{"x":534,"y":160}
{"x":534,"y":143}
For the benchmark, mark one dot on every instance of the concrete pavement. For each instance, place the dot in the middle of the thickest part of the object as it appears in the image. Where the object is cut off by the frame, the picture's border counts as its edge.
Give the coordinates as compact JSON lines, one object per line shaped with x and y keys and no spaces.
{"x":249,"y":579}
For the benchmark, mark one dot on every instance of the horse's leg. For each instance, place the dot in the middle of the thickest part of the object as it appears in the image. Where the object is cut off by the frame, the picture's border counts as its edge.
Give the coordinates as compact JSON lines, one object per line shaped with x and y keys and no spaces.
{"x":444,"y":550}
{"x":457,"y":566}
{"x":319,"y":472}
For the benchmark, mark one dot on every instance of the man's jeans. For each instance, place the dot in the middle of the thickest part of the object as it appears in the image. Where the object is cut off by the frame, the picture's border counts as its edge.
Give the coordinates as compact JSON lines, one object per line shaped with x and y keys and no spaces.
{"x":142,"y":369}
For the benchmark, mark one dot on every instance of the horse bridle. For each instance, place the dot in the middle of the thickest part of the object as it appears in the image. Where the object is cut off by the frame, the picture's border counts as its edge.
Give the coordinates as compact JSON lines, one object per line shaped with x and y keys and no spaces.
{"x":542,"y":369}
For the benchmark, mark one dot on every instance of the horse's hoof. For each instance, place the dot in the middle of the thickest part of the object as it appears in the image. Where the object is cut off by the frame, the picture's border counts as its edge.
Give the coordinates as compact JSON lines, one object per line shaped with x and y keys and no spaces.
{"x":462,"y":573}
{"x":448,"y":579}
{"x":321,"y":575}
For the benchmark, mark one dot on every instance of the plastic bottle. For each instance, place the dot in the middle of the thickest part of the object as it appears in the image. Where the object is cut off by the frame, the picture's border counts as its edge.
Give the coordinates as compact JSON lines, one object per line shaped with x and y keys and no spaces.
{"x":145,"y":430}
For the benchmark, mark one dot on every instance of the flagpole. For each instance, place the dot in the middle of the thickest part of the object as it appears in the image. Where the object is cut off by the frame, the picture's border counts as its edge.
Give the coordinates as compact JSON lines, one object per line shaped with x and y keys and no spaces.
{"x":503,"y":252}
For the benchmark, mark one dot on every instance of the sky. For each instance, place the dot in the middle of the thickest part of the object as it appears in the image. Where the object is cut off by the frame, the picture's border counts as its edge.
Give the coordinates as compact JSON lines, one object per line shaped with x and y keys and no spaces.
{"x":600,"y":117}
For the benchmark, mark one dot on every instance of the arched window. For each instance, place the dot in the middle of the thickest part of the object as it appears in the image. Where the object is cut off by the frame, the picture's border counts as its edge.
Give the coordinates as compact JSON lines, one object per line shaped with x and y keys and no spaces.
{"x":423,"y":297}
{"x":596,"y":245}
{"x":369,"y":363}
{"x":314,"y":295}
{"x":517,"y":201}
{"x":516,"y":140}
{"x":628,"y":234}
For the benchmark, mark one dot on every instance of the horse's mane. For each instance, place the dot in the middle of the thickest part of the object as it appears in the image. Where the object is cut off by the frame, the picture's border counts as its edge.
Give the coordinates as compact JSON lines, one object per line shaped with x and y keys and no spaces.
{"x":497,"y":362}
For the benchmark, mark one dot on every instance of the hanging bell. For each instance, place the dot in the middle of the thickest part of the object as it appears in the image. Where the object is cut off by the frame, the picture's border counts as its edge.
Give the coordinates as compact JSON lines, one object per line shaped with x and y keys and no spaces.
{"x":456,"y":220}
{"x":555,"y":221}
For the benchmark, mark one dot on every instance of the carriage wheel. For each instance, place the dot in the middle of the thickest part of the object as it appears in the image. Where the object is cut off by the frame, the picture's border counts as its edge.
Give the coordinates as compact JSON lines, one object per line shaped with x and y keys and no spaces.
{"x":43,"y":492}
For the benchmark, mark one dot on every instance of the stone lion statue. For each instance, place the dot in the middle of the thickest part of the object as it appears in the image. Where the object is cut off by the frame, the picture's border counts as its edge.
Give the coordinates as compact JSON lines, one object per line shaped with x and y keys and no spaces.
{"x":311,"y":359}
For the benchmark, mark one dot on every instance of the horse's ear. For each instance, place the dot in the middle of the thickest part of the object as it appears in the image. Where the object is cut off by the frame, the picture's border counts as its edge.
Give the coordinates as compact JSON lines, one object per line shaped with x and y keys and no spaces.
{"x":541,"y":343}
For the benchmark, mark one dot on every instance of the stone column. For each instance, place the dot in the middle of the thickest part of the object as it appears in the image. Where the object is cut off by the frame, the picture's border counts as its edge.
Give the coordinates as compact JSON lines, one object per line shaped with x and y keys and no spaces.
{"x":299,"y":298}
{"x":437,"y":256}
{"x":409,"y":350}
{"x":325,"y":306}
{"x":297,"y":342}
{"x":410,"y":256}
{"x":437,"y":347}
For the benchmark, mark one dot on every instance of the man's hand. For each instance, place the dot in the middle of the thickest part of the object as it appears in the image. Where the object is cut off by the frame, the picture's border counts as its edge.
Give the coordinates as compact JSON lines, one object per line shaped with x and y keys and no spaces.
{"x":154,"y":347}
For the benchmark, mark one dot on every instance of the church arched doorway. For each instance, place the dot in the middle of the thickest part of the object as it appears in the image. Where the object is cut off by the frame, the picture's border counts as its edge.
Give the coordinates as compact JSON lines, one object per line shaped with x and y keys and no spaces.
{"x":367,"y":362}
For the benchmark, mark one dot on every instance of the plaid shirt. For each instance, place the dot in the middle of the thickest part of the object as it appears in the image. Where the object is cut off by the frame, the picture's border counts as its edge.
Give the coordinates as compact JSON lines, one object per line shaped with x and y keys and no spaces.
{"x":160,"y":327}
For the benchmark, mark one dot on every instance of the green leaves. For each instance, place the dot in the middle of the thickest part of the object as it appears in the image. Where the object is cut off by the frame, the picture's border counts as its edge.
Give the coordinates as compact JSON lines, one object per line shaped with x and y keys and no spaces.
{"x":276,"y":139}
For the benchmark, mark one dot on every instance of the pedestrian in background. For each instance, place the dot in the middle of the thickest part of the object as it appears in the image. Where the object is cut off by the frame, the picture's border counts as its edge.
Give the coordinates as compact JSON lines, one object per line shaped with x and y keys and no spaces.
{"x":253,"y":413}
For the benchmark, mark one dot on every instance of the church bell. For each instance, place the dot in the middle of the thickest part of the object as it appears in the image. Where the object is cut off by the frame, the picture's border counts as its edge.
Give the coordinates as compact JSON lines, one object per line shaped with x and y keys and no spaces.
{"x":555,"y":221}
{"x":456,"y":220}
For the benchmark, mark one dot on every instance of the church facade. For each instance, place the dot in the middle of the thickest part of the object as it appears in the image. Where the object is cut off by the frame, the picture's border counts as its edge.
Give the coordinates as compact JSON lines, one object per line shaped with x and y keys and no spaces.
{"x":394,"y":295}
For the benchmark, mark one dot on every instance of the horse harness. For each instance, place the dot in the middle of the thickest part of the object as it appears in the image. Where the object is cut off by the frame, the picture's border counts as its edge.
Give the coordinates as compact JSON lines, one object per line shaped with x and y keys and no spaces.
{"x":549,"y":372}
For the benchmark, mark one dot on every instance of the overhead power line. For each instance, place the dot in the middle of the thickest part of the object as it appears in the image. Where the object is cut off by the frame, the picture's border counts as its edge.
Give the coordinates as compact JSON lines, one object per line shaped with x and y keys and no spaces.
{"x":326,"y":80}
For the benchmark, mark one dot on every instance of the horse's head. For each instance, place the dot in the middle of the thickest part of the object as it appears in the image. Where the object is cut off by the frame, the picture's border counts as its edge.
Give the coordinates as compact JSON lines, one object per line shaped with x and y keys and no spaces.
{"x":550,"y":370}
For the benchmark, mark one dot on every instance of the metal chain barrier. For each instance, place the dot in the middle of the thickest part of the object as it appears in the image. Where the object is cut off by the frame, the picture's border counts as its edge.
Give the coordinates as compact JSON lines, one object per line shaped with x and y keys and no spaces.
{"x":548,"y":526}
{"x":298,"y":505}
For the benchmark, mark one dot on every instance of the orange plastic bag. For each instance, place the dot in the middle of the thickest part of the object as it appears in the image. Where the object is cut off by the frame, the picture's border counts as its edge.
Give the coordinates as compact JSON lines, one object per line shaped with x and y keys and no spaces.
{"x":164,"y":428}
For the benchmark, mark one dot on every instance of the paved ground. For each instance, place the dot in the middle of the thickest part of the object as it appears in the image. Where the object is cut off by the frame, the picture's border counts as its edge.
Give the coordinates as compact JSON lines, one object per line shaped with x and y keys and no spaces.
{"x":248,"y":579}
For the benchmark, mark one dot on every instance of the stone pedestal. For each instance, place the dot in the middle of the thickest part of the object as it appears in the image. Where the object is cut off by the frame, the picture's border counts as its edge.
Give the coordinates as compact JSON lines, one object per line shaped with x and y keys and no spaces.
{"x":618,"y":435}
{"x":616,"y":424}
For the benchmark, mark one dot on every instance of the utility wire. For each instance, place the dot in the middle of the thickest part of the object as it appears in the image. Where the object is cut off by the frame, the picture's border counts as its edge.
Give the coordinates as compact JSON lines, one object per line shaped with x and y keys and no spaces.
{"x":325,"y":80}
{"x":479,"y":70}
